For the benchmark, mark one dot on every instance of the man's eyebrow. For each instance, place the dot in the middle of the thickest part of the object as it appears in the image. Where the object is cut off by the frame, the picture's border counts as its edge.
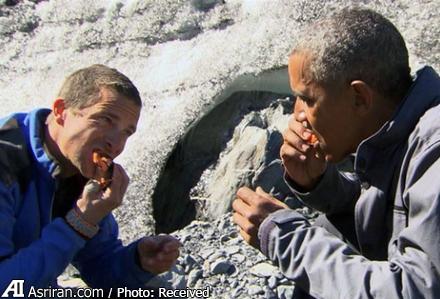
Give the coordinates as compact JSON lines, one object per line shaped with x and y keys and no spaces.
{"x":301,"y":95}
{"x":133,"y":129}
{"x":106,"y":113}
{"x":115,"y":116}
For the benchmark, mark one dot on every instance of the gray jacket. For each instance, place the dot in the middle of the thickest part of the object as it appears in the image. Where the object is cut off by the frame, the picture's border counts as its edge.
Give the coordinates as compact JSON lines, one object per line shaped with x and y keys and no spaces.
{"x":395,"y":197}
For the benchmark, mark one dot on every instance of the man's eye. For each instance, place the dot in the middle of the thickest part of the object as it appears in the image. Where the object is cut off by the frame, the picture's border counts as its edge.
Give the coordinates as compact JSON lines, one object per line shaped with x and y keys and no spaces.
{"x":106,"y":119}
{"x":307,"y":101}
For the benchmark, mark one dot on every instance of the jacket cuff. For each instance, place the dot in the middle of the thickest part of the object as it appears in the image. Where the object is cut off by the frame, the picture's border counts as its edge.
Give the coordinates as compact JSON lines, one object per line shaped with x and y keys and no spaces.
{"x":65,"y":235}
{"x":271,"y":222}
{"x":61,"y":242}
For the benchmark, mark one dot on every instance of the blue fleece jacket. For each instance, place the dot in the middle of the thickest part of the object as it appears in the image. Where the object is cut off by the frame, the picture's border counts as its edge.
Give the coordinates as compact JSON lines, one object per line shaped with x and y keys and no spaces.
{"x":35,"y":247}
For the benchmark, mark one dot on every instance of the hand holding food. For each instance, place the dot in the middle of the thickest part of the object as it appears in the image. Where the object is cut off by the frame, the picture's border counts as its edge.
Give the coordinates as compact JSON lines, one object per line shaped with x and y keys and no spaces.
{"x":105,"y":191}
{"x":104,"y":169}
{"x":302,"y":158}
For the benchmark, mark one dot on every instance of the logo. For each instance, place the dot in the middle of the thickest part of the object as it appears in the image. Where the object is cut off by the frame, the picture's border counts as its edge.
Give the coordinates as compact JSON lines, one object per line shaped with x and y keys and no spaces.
{"x":16,"y":287}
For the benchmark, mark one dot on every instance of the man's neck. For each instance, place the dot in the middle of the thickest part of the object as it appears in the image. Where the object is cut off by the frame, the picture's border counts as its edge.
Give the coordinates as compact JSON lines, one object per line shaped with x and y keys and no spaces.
{"x":383,"y":111}
{"x":50,"y":141}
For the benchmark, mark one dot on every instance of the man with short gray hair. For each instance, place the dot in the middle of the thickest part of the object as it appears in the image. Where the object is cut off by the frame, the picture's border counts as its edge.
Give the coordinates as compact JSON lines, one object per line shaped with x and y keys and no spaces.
{"x":378,"y":236}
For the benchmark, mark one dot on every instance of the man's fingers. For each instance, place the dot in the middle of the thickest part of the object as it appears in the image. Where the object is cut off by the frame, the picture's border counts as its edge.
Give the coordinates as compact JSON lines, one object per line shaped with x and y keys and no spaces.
{"x":160,"y":243}
{"x":169,"y":257}
{"x":318,"y":153}
{"x":239,"y":206}
{"x":251,"y":240}
{"x":245,"y":235}
{"x":160,"y":261}
{"x":158,"y":253}
{"x":297,"y":142}
{"x":172,"y":255}
{"x":300,"y":130}
{"x":114,"y":193}
{"x":277,"y":202}
{"x":163,"y":258}
{"x":238,"y":219}
{"x":92,"y":188}
{"x":167,"y":241}
{"x":148,"y":244}
{"x":256,"y":206}
{"x":248,"y":196}
{"x":244,"y":224}
{"x":260,"y":191}
{"x":298,"y":127}
{"x":266,"y":195}
{"x":251,"y":208}
{"x":287,"y":153}
{"x":120,"y":179}
{"x":157,"y":267}
{"x":171,"y":246}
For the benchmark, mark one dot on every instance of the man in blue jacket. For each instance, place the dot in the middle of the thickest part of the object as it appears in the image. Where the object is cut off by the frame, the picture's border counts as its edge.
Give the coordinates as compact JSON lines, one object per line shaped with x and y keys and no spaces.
{"x":379,"y":236}
{"x":53,"y":209}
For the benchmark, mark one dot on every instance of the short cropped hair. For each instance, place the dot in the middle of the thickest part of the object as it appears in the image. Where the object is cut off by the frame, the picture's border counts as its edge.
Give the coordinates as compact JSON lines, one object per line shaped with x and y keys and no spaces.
{"x":82,"y":88}
{"x":357,"y":44}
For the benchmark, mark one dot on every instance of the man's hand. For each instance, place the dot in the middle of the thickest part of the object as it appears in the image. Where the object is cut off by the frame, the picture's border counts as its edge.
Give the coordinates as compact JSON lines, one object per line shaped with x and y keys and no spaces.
{"x":94,"y":204}
{"x":158,"y":254}
{"x":304,"y":162}
{"x":251,"y":208}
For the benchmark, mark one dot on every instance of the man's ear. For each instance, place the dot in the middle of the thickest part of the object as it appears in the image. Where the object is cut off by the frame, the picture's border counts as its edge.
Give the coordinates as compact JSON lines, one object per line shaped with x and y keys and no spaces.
{"x":59,"y":111}
{"x":363,"y":96}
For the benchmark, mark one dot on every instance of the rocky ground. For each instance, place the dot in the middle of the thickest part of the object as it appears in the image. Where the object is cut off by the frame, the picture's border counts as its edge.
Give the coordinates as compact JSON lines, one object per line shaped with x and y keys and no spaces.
{"x":214,"y":256}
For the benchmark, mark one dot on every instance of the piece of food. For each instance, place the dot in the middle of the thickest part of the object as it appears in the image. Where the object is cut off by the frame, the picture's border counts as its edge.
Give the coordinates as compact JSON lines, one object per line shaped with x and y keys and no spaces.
{"x":104,"y":169}
{"x":312,"y":139}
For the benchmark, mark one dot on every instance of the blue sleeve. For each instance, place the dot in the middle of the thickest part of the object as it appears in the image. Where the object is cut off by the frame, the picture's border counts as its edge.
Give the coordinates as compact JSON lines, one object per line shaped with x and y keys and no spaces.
{"x":104,"y":262}
{"x":42,"y":260}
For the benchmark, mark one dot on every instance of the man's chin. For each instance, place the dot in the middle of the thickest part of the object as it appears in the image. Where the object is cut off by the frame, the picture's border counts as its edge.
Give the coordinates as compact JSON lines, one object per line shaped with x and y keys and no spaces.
{"x":86,"y":172}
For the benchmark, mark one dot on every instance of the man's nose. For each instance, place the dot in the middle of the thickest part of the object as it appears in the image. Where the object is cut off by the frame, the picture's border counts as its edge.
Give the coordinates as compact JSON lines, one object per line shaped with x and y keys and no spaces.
{"x":114,"y":144}
{"x":298,"y":106}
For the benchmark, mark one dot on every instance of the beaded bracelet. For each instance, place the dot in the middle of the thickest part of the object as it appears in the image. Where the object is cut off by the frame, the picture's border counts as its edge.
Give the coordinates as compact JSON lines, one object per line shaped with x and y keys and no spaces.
{"x":85,"y":229}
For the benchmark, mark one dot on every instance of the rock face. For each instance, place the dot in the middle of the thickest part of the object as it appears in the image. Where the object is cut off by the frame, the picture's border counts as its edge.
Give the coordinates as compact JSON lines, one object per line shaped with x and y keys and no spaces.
{"x":236,"y":144}
{"x":214,"y":86}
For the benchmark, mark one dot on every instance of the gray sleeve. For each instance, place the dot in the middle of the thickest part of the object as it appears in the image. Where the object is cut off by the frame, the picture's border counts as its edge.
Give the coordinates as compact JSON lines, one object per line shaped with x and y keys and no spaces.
{"x":326,"y":267}
{"x":336,"y":192}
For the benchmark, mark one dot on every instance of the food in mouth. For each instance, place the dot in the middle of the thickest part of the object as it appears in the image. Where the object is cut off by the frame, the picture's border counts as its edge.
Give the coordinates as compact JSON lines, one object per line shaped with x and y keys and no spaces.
{"x":312,"y":139}
{"x":104,"y":169}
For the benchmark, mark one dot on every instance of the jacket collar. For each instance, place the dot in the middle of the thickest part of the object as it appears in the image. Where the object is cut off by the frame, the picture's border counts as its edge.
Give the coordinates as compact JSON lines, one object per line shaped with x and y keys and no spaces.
{"x":37,"y":124}
{"x":423,"y":94}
